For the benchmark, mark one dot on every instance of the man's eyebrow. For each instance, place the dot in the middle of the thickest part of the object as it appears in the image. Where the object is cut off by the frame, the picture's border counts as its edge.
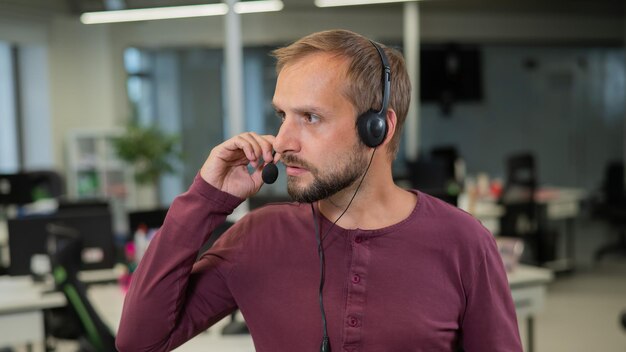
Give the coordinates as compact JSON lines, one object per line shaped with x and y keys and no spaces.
{"x":306,"y":109}
{"x":311,"y":109}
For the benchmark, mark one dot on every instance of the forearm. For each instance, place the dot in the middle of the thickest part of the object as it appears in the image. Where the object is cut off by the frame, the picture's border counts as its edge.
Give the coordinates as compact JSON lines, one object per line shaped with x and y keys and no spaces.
{"x":156,"y":316}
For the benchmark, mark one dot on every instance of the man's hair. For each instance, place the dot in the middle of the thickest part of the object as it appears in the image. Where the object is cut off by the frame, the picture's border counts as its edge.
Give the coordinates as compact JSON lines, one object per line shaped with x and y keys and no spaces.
{"x":364,"y":75}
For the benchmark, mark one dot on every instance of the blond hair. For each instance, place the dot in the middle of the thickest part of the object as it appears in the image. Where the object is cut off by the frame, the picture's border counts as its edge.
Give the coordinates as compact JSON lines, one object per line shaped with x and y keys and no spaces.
{"x":364,"y":75}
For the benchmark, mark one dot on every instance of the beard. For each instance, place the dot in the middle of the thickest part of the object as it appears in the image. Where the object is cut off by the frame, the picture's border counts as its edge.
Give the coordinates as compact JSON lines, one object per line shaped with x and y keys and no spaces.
{"x":341,"y":175}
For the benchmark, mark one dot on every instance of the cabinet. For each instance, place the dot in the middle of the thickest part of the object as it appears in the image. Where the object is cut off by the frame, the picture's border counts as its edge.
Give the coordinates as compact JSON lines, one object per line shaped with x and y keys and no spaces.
{"x":93,"y":168}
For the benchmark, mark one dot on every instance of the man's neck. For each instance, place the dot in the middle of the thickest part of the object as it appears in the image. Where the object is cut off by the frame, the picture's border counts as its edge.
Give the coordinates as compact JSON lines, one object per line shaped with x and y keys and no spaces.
{"x":373,"y":207}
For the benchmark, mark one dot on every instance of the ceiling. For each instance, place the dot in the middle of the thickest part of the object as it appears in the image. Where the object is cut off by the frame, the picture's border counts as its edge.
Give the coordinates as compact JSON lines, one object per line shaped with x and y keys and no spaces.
{"x":604,"y":7}
{"x":608,"y":8}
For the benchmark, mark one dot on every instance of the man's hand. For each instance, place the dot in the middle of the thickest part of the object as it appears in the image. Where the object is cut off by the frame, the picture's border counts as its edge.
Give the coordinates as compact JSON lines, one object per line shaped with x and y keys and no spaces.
{"x":226,"y":168}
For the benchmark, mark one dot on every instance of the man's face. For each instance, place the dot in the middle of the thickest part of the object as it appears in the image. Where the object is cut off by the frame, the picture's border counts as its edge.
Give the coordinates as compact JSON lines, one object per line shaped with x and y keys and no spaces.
{"x":318,"y":139}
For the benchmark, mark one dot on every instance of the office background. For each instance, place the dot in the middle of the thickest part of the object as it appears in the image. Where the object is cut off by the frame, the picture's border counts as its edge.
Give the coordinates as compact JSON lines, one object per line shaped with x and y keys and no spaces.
{"x":553,"y":78}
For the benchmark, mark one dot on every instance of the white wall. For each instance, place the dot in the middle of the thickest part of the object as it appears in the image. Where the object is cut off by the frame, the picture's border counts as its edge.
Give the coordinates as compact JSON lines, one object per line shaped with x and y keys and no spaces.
{"x":81,"y":79}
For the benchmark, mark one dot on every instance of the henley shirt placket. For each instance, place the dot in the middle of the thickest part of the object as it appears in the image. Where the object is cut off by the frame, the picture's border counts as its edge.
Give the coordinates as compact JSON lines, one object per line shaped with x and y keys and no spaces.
{"x":355,"y":301}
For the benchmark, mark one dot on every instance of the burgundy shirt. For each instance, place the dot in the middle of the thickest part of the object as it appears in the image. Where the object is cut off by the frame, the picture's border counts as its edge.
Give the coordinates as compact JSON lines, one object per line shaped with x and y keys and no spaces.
{"x":432,"y":282}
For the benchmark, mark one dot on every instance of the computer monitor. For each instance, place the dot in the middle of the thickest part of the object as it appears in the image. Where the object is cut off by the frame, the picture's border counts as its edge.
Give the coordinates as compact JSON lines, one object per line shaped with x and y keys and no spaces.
{"x":28,"y":236}
{"x":432,"y":176}
{"x":15,"y":189}
{"x":152,"y":219}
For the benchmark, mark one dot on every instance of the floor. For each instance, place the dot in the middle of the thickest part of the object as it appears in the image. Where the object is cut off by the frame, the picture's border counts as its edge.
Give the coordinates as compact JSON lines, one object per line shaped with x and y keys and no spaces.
{"x":582,"y":311}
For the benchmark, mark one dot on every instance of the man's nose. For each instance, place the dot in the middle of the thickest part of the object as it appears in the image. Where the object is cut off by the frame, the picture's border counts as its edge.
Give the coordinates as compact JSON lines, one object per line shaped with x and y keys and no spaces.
{"x":287,"y":138}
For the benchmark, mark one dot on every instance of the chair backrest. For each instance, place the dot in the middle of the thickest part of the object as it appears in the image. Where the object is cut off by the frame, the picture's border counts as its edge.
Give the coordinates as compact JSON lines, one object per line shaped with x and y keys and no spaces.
{"x":613,"y":188}
{"x":521,"y":171}
{"x":64,"y":248}
{"x":449,"y":155}
{"x":432,"y":177}
{"x":521,"y":215}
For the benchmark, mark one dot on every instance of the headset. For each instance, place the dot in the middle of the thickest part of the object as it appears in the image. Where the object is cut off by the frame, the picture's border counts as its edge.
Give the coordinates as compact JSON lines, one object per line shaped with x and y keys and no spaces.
{"x":372,"y":125}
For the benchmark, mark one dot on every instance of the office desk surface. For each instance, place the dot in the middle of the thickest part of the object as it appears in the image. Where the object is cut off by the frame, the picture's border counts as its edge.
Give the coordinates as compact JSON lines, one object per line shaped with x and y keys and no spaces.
{"x":21,"y":310}
{"x":22,"y":294}
{"x":526,"y":275}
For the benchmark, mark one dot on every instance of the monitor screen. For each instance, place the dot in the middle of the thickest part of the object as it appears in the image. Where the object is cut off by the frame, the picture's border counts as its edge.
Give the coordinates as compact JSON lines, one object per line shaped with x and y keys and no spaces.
{"x":15,"y":189}
{"x":152,"y":219}
{"x":28,"y":236}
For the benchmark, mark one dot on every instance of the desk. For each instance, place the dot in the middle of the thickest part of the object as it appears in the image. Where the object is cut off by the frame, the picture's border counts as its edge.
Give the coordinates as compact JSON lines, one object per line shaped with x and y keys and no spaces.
{"x":528,"y":288}
{"x":558,"y":204}
{"x":21,"y":310}
{"x":22,"y":302}
{"x":485,"y":209}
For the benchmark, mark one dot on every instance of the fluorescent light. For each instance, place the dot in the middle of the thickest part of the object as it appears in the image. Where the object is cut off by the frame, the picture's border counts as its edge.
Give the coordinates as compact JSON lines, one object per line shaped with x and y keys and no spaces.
{"x":258,"y":6}
{"x":154,"y":13}
{"x":331,"y":3}
{"x":170,"y":12}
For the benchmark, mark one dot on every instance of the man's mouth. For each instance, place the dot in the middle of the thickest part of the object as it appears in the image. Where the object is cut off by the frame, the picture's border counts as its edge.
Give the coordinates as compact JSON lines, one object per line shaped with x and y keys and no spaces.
{"x":294,"y":167}
{"x":295,"y":170}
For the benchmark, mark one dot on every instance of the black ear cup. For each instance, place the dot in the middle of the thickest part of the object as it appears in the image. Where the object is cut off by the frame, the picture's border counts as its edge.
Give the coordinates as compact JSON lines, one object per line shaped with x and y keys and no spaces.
{"x":372,"y":128}
{"x":372,"y":125}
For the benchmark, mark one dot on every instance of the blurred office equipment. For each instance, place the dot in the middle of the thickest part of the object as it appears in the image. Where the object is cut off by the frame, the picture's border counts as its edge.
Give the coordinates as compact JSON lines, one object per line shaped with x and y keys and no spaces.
{"x":450,"y":156}
{"x":430,"y":176}
{"x":93,"y":168}
{"x":522,"y":217}
{"x":22,"y":305}
{"x":26,"y":187}
{"x":452,"y":73}
{"x":28,"y":236}
{"x":437,"y":174}
{"x":151,"y":219}
{"x":19,"y":193}
{"x":613,"y":208}
{"x":79,"y":320}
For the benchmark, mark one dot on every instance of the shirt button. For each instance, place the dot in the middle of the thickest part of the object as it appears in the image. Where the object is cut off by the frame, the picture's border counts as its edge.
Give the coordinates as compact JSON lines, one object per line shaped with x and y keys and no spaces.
{"x":356,"y":279}
{"x":353,"y":322}
{"x":358,"y":239}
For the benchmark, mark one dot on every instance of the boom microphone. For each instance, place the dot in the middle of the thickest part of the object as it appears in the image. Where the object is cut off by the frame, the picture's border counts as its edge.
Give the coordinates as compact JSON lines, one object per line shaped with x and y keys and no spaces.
{"x":270,"y":172}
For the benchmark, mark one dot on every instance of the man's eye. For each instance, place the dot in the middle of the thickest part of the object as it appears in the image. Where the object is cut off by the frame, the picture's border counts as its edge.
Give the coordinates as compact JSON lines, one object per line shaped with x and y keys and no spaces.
{"x":312,"y":118}
{"x":280,"y":115}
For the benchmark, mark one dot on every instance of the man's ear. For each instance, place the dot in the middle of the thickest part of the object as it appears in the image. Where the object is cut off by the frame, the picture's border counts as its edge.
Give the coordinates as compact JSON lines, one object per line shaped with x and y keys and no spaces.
{"x":392,"y":122}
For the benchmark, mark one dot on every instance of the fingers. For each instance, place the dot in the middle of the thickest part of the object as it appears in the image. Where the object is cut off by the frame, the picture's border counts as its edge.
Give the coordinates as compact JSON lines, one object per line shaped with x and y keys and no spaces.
{"x":254,"y":146}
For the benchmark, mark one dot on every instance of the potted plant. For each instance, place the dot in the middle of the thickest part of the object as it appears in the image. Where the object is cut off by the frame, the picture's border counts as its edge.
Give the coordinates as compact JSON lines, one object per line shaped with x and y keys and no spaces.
{"x":151,"y":151}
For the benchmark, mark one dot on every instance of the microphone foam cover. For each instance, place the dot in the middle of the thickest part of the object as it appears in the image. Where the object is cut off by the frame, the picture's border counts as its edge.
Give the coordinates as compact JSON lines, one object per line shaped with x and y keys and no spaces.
{"x":270,"y":173}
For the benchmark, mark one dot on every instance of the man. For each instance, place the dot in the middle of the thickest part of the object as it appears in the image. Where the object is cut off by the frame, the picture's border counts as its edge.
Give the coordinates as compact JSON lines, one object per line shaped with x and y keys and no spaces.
{"x":396,"y":270}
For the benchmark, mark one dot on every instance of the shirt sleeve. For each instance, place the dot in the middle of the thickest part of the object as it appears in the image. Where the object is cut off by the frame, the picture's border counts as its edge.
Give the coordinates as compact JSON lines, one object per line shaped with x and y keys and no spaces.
{"x":171,"y":297}
{"x":490,"y":322}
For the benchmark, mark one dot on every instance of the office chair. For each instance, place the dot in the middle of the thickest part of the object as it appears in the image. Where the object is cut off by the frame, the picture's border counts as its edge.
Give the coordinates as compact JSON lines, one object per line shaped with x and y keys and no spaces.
{"x":431,"y":176}
{"x":449,"y":155}
{"x":64,"y":249}
{"x":613,"y":208}
{"x":522,"y":216}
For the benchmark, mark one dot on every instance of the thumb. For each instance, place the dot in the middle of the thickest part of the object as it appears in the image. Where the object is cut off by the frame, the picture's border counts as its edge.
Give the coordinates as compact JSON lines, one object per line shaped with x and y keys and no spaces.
{"x":257,"y":178}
